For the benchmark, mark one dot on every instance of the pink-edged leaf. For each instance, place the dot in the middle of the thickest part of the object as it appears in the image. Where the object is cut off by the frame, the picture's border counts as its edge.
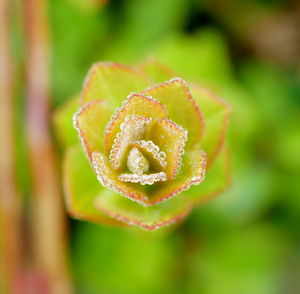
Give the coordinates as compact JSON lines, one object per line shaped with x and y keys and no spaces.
{"x":157,"y":71}
{"x":81,"y":188}
{"x":149,"y":218}
{"x":217,"y":114}
{"x":63,"y":123}
{"x":110,"y":179}
{"x":153,"y":153}
{"x":112,"y":82}
{"x":217,"y":179}
{"x":171,"y":138}
{"x":132,"y":130}
{"x":181,"y":107}
{"x":143,"y":179}
{"x":135,"y":104}
{"x":192,"y":173}
{"x":90,"y":122}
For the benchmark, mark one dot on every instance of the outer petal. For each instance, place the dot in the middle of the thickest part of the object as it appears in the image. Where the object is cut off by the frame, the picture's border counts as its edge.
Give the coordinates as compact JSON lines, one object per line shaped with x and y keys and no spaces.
{"x":171,"y":139}
{"x":109,"y":178}
{"x":218,"y":179}
{"x":135,"y":104}
{"x":112,"y":82}
{"x":81,"y":188}
{"x":216,"y":113}
{"x":63,"y":125}
{"x":158,"y":72}
{"x":191,"y":173}
{"x":181,"y":107}
{"x":90,"y":122}
{"x":149,"y":218}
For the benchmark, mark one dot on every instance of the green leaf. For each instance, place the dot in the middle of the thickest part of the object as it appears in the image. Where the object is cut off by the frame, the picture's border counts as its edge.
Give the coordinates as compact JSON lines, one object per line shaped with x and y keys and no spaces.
{"x":162,"y":213}
{"x":128,"y":202}
{"x":181,"y":107}
{"x":110,"y":179}
{"x":171,"y":139}
{"x":216,"y":114}
{"x":81,"y":188}
{"x":217,"y":179}
{"x":125,"y":137}
{"x":90,"y":122}
{"x":199,"y":57}
{"x":191,"y":173}
{"x":238,"y":257}
{"x":158,"y":72}
{"x":63,"y":123}
{"x":136,"y":104}
{"x":150,"y":217}
{"x":112,"y":82}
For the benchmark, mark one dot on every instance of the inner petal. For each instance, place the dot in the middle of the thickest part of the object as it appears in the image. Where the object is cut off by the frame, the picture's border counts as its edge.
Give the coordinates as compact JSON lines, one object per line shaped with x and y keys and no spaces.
{"x":144,"y":179}
{"x":132,"y":130}
{"x":137,"y":162}
{"x":152,"y":151}
{"x":171,"y":138}
{"x":139,"y":165}
{"x":135,"y":104}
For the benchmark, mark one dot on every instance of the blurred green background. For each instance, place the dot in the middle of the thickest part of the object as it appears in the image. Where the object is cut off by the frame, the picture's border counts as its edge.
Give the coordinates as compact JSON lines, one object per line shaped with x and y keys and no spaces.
{"x":247,"y":240}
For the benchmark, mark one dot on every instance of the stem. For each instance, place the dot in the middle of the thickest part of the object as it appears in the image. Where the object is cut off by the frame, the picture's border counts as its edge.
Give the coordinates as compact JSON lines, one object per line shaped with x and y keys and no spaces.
{"x":10,"y":200}
{"x":48,"y":218}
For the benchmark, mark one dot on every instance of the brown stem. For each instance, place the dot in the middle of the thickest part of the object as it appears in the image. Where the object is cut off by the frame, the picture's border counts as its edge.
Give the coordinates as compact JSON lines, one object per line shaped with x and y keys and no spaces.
{"x":10,"y":200}
{"x":48,"y":219}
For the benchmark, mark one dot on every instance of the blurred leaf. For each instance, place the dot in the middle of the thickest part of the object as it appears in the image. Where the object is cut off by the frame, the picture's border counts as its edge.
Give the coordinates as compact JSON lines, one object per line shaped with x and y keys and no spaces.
{"x":89,"y":6}
{"x":90,"y":122}
{"x":120,"y":262}
{"x":248,"y":261}
{"x":81,"y":187}
{"x":217,"y":179}
{"x":157,"y":71}
{"x":63,"y":123}
{"x":143,"y":23}
{"x":216,"y":116}
{"x":76,"y":43}
{"x":203,"y":57}
{"x":112,"y":82}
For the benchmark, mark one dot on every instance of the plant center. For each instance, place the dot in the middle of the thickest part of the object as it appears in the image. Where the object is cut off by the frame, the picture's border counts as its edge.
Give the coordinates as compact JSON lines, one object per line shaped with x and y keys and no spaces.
{"x":137,"y":162}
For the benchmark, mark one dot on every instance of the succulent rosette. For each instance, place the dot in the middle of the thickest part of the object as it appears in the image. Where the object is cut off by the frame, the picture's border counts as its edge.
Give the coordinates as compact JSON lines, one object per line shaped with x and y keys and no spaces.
{"x":145,"y":147}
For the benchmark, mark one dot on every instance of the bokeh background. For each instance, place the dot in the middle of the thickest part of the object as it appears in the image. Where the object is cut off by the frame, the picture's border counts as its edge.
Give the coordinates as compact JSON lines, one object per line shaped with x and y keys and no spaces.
{"x":248,"y":239}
